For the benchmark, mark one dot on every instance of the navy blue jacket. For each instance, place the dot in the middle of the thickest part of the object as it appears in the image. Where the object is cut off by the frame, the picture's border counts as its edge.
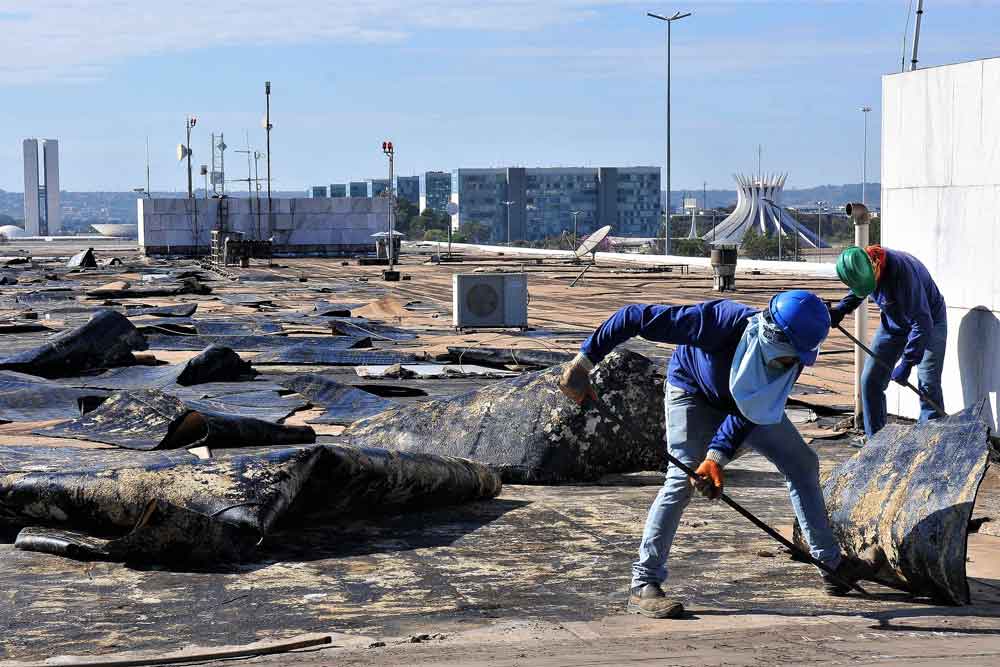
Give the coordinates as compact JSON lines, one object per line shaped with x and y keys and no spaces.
{"x":910,"y":302}
{"x":707,"y":335}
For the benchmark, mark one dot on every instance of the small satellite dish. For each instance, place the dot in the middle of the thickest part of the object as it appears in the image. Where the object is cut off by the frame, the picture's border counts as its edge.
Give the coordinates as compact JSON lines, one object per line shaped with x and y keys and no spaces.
{"x":590,"y":243}
{"x":222,"y":145}
{"x":451,"y":208}
{"x":203,"y":170}
{"x":182,"y":152}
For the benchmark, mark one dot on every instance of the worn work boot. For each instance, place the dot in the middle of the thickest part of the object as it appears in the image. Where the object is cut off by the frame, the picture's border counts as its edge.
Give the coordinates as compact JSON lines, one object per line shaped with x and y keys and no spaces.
{"x":650,"y":600}
{"x":847,"y":570}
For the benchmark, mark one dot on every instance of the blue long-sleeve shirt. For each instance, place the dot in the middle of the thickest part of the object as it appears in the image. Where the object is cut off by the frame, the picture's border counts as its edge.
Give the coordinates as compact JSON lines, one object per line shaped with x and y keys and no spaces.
{"x":707,"y":335}
{"x":910,"y":302}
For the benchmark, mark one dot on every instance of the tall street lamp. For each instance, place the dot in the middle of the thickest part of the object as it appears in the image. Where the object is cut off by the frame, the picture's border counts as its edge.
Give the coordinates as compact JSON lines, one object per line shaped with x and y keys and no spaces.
{"x":669,"y":20}
{"x":819,"y":227}
{"x":267,"y":129}
{"x":189,"y":123}
{"x":864,"y":169}
{"x":575,"y":214}
{"x":390,"y":153}
{"x":508,"y":204}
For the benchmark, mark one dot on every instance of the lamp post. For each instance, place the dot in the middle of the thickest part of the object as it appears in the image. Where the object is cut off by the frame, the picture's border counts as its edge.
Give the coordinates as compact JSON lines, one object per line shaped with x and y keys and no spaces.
{"x":267,"y":148}
{"x":508,"y":203}
{"x":190,"y":122}
{"x":864,"y":169}
{"x":669,"y":20}
{"x":390,"y":153}
{"x":575,"y":214}
{"x":819,"y":227}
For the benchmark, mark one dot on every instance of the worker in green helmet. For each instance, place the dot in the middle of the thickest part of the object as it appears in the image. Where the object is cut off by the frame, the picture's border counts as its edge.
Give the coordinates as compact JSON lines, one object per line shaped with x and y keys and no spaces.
{"x":913,"y":330}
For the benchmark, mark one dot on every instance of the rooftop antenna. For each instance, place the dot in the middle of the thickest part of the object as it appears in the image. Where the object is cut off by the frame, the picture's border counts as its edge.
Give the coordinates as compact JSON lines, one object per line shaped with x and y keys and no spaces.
{"x":222,"y":161}
{"x":215,"y":190}
{"x":147,"y":164}
{"x":916,"y":34}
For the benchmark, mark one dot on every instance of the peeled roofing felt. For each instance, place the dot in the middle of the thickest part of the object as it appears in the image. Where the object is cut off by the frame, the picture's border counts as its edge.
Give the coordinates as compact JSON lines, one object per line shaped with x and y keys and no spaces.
{"x":343,"y":404}
{"x":106,"y":340}
{"x":322,"y":355}
{"x":171,"y":508}
{"x":178,"y":310}
{"x":250,"y":343}
{"x":215,"y":363}
{"x":150,"y":419}
{"x":901,"y":505}
{"x":25,"y":398}
{"x":529,"y":432}
{"x":83,"y":260}
{"x":188,"y":285}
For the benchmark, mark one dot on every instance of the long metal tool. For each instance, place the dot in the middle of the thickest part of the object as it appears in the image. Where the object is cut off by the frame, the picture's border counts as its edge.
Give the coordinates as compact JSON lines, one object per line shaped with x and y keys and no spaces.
{"x":739,"y":508}
{"x":934,"y":404}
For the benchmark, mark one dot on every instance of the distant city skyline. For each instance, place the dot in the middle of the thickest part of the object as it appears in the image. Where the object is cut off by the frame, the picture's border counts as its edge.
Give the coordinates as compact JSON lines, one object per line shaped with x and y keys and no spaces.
{"x":496,"y":83}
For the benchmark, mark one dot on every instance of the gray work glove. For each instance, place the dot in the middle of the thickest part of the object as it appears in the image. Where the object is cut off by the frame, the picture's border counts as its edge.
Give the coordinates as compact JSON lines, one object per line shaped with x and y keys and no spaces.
{"x":575,"y":380}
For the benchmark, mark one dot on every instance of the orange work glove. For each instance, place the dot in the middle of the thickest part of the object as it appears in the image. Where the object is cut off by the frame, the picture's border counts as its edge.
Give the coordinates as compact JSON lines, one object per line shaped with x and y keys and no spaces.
{"x":709,"y":483}
{"x":575,"y":380}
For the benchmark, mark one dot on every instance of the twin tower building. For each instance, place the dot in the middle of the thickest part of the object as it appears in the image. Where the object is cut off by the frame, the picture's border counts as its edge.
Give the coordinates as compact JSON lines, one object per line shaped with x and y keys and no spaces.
{"x":41,"y":188}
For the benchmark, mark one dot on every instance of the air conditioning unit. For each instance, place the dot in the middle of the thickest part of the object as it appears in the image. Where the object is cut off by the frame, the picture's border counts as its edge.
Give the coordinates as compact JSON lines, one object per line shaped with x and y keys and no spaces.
{"x":497,"y":300}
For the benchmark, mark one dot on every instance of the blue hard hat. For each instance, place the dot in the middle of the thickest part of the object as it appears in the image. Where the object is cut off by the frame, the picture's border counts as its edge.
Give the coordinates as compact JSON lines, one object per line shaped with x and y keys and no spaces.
{"x":804,"y":318}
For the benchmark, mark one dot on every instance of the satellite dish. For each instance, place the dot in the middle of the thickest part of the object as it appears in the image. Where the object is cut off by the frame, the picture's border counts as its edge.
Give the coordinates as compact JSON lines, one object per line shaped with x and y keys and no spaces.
{"x":451,"y":208}
{"x":182,"y":152}
{"x":590,"y":243}
{"x":222,"y":145}
{"x":203,"y":170}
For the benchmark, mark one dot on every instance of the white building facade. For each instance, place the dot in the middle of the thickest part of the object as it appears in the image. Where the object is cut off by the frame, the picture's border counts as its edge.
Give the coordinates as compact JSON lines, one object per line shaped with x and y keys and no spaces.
{"x":941,"y":203}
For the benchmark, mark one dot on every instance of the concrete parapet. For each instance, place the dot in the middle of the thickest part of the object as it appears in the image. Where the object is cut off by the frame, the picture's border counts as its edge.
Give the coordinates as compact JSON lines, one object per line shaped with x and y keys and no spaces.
{"x":299,"y":226}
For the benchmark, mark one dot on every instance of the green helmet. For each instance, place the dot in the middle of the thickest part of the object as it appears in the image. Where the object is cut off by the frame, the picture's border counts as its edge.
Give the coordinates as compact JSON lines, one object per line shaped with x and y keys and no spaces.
{"x":854,"y":268}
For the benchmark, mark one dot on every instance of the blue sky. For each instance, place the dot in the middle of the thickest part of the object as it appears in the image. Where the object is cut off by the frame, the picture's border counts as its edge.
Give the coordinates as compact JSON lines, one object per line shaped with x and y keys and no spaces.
{"x":460,"y":84}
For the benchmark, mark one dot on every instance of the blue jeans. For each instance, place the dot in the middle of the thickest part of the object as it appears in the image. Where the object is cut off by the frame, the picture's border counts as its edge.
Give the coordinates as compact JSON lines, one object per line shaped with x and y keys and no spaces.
{"x":875,"y":378}
{"x":691,"y":423}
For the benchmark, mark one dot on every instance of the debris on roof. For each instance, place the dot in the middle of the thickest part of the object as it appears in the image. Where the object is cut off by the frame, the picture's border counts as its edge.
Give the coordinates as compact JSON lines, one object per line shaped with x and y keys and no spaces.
{"x":902,"y":504}
{"x":529,"y":432}
{"x":83,"y":260}
{"x":107,"y":340}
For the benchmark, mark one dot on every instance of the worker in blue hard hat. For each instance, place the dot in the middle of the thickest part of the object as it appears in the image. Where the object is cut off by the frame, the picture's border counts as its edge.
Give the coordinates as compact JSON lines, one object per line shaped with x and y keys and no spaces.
{"x":727,"y":384}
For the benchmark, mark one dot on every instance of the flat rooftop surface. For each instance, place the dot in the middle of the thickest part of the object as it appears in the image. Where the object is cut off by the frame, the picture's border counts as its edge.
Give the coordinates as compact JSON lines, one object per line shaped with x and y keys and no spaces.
{"x":537,"y":576}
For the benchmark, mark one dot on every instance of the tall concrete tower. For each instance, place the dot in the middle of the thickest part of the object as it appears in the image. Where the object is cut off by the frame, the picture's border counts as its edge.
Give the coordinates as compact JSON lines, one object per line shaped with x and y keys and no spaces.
{"x":42,"y":216}
{"x":50,"y":160}
{"x":31,"y":187}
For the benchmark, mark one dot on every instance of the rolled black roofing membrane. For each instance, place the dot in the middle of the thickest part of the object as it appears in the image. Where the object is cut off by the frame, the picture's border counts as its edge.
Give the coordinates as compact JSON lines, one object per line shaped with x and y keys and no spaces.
{"x":214,"y":364}
{"x":901,"y":505}
{"x":253,"y":343}
{"x":106,"y":340}
{"x":343,"y":404}
{"x":529,"y":432}
{"x":324,"y":308}
{"x":150,"y":419}
{"x":178,"y":310}
{"x":171,"y":508}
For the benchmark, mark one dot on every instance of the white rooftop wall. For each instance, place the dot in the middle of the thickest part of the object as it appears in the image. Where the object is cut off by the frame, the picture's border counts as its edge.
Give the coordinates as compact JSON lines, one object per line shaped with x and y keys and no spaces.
{"x":343,"y":224}
{"x":941,"y":203}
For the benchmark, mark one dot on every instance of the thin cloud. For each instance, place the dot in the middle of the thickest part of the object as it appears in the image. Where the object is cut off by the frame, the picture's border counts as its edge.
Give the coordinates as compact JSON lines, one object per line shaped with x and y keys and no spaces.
{"x":52,"y":39}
